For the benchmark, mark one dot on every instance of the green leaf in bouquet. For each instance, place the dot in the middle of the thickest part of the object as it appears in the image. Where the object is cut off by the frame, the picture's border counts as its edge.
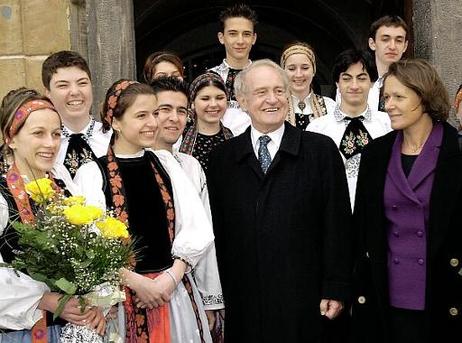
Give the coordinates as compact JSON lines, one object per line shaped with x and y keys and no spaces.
{"x":66,"y":286}
{"x":42,"y":278}
{"x":21,"y":227}
{"x":61,"y":303}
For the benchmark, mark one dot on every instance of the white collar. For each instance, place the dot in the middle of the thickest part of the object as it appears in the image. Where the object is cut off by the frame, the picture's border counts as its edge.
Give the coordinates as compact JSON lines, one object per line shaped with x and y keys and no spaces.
{"x":340,"y":115}
{"x":276,"y":135}
{"x":305,"y":100}
{"x":229,"y":67}
{"x":87,"y":131}
{"x":136,"y":154}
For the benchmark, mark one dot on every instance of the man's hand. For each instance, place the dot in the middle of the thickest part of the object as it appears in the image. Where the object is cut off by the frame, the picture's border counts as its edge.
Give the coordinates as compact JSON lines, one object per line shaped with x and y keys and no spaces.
{"x":330,"y":308}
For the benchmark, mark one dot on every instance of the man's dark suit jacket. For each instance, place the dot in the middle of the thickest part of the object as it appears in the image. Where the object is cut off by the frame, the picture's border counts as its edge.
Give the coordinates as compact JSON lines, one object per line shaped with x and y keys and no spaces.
{"x":283,"y":239}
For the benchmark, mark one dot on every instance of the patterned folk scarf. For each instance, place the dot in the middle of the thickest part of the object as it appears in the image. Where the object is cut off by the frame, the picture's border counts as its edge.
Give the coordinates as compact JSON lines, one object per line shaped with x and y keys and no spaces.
{"x":17,"y":189}
{"x":78,"y":150}
{"x":356,"y":137}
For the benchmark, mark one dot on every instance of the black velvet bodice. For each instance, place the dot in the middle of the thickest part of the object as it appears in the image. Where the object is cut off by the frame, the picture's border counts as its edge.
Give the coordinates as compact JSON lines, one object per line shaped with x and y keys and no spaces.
{"x":146,"y":211}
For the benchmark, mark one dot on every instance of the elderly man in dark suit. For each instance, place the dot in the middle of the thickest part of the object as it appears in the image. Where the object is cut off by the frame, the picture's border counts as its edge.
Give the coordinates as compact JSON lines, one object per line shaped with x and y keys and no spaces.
{"x":281,"y":217}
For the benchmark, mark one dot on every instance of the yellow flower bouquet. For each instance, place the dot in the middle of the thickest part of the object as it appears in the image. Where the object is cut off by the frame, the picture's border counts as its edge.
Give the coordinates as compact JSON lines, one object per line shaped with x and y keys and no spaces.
{"x":76,"y":249}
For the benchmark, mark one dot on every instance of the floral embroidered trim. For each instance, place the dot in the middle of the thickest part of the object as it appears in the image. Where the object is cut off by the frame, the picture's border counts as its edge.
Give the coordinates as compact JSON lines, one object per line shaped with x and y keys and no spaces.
{"x":213,"y":299}
{"x":86,"y":136}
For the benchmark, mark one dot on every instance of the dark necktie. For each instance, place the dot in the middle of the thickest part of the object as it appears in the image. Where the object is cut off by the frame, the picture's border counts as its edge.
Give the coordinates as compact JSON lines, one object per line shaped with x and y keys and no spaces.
{"x":264,"y":156}
{"x":78,"y":153}
{"x":355,"y":137}
{"x":381,"y":106}
{"x":230,"y":83}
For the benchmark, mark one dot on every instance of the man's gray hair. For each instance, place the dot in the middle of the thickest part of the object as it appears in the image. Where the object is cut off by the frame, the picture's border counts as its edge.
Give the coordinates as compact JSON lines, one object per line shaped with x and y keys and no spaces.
{"x":240,"y":86}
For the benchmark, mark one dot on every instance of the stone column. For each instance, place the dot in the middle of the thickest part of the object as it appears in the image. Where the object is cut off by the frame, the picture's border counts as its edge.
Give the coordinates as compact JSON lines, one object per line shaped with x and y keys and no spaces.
{"x":110,"y":44}
{"x":438,"y":32}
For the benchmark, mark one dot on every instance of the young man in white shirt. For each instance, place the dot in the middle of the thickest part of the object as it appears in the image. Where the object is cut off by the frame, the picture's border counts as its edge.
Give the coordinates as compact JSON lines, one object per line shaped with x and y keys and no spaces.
{"x":354,"y":123}
{"x":237,"y":35}
{"x":67,"y":80}
{"x":388,"y":39}
{"x":172,"y":110}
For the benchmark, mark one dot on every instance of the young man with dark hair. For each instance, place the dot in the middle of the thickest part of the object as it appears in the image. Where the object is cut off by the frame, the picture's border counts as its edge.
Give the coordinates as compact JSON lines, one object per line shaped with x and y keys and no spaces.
{"x":354,"y":123}
{"x":237,"y":34}
{"x":388,"y":39}
{"x":67,"y":80}
{"x":172,"y":109}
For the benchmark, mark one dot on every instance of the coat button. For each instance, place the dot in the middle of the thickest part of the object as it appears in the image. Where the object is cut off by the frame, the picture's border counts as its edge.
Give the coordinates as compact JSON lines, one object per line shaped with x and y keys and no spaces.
{"x":394,"y":207}
{"x":362,"y":300}
{"x":396,"y":233}
{"x":454,"y":262}
{"x":419,"y":233}
{"x":453,"y":311}
{"x":396,"y":260}
{"x":420,"y":261}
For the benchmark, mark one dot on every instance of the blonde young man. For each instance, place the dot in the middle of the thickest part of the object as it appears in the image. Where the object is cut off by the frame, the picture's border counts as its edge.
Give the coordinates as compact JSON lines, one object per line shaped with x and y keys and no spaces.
{"x":237,"y":35}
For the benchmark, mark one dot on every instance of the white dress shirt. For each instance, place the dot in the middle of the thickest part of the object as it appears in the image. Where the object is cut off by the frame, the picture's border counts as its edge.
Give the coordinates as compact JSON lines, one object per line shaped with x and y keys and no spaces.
{"x":273,"y":144}
{"x":206,"y":271}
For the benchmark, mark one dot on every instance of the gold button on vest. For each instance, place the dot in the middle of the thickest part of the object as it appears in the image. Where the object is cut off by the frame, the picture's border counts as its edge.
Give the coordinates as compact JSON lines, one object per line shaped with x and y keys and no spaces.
{"x":454,"y":262}
{"x":361,"y":299}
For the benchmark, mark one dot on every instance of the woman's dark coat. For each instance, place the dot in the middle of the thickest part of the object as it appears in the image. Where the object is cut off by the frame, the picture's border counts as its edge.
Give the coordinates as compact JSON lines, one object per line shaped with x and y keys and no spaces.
{"x":444,"y":245}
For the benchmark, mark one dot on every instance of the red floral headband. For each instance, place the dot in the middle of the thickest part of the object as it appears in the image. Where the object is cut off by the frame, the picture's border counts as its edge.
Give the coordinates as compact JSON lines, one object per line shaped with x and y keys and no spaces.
{"x":114,"y":99}
{"x":24,"y":111}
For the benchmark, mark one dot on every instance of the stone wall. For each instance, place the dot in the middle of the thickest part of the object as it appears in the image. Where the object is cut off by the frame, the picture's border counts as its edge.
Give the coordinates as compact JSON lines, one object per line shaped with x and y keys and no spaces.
{"x":29,"y":31}
{"x":103,"y":32}
{"x":438,"y":34}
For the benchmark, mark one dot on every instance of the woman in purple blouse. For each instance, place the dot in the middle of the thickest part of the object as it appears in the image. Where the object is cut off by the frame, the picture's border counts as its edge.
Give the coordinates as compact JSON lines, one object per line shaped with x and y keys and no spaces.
{"x":408,"y":206}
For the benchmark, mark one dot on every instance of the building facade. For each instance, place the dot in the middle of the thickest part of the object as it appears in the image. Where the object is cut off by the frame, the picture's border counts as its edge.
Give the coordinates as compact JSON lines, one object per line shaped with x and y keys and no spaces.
{"x":117,"y":35}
